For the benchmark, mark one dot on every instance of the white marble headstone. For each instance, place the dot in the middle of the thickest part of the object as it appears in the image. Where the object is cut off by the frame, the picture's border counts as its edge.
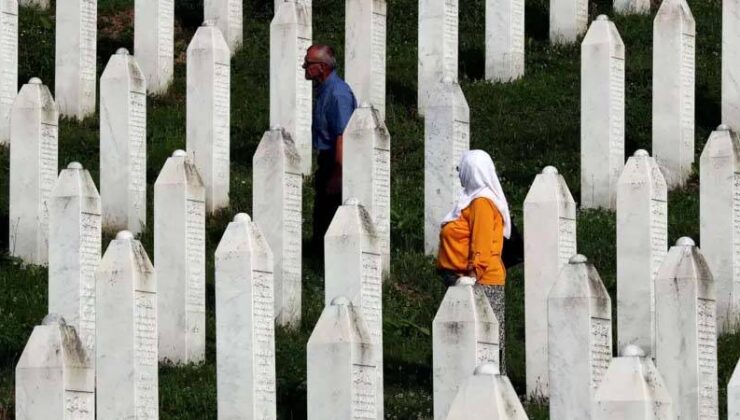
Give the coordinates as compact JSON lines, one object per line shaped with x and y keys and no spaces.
{"x":180,"y":260}
{"x":76,"y":75}
{"x":731,"y":64}
{"x":579,"y":319}
{"x":632,"y":7}
{"x":489,"y":395}
{"x":568,"y":20}
{"x":733,"y":395}
{"x":74,"y":251}
{"x":127,"y":380}
{"x":245,"y":328}
{"x":602,"y":114}
{"x":154,"y":42}
{"x":54,"y":379}
{"x":290,"y":93}
{"x":642,"y":243}
{"x":438,"y":47}
{"x":123,"y":144}
{"x":9,"y":64}
{"x":686,"y":331}
{"x":674,"y":43}
{"x":277,"y":203}
{"x":208,"y":112}
{"x":446,"y":139}
{"x":365,"y":49}
{"x":504,"y":40}
{"x":549,"y":242}
{"x":465,"y":334}
{"x":33,"y":171}
{"x":228,"y":16}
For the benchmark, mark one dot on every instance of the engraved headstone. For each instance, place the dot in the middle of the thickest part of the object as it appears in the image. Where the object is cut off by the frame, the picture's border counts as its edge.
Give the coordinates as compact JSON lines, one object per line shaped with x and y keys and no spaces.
{"x":127,"y":380}
{"x":686,"y":331}
{"x":76,"y":57}
{"x":9,"y":64}
{"x":74,"y":251}
{"x":719,"y":204}
{"x":367,"y":173}
{"x":489,"y":395}
{"x":41,"y":4}
{"x":341,"y":371}
{"x":674,"y":37}
{"x":579,"y":319}
{"x":364,"y":47}
{"x":568,"y":20}
{"x":180,"y":260}
{"x":642,"y":243}
{"x":733,"y":395}
{"x":446,"y":139}
{"x":228,"y":16}
{"x":53,"y":378}
{"x":504,"y":40}
{"x":549,"y":242}
{"x":438,"y":48}
{"x":731,"y":64}
{"x":154,"y":42}
{"x":290,"y":93}
{"x":602,"y":114}
{"x":33,"y":171}
{"x":123,"y":144}
{"x":641,"y":7}
{"x":208,"y":112}
{"x":464,"y":336}
{"x":245,"y":329}
{"x":277,"y":203}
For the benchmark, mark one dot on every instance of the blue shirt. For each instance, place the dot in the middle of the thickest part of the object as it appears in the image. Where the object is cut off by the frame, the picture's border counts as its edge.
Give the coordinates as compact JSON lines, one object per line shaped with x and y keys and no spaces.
{"x":332,"y":109}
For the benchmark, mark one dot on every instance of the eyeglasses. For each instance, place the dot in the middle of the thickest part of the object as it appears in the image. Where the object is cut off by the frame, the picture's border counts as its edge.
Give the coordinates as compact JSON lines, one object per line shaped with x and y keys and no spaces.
{"x":307,"y":63}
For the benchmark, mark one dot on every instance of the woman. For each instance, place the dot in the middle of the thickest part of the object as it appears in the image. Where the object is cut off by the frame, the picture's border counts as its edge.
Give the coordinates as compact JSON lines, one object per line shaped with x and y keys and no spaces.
{"x":472,"y":235}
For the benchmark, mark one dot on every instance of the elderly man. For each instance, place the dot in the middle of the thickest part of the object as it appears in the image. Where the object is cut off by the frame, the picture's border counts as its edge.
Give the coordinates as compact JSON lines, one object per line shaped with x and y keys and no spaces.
{"x":334,"y":103}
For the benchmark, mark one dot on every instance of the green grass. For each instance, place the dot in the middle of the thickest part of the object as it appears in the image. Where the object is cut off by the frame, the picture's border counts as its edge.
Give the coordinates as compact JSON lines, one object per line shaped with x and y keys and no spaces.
{"x":525,"y":125}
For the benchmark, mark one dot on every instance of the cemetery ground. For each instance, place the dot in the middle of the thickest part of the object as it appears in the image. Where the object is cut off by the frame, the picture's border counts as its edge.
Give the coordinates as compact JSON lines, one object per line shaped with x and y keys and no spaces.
{"x":525,"y":125}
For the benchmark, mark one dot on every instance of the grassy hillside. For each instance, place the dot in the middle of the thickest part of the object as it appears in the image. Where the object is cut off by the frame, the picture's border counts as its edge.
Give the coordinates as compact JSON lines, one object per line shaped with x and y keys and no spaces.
{"x":525,"y":126}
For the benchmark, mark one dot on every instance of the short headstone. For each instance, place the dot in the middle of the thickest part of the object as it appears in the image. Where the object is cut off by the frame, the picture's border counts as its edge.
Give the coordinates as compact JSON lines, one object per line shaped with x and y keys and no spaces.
{"x":54,"y":379}
{"x":438,"y":48}
{"x":719,"y":204}
{"x":488,"y":394}
{"x":41,"y":4}
{"x":228,"y":16}
{"x":341,"y":371}
{"x":504,"y":40}
{"x":686,"y":331}
{"x":602,"y":114}
{"x":464,"y":336}
{"x":367,"y":173}
{"x":33,"y":171}
{"x":674,"y":37}
{"x":180,"y":260}
{"x":9,"y":64}
{"x":446,"y":139}
{"x":277,"y":203}
{"x":579,"y":321}
{"x":549,"y":242}
{"x":290,"y":93}
{"x":733,"y":395}
{"x":208,"y":112}
{"x":154,"y":42}
{"x":626,"y":7}
{"x":127,"y":380}
{"x":123,"y":144}
{"x":731,"y":64}
{"x":568,"y":20}
{"x":76,"y":75}
{"x":632,"y":388}
{"x":642,"y":243}
{"x":245,"y":329}
{"x":364,"y":51}
{"x":74,"y":251}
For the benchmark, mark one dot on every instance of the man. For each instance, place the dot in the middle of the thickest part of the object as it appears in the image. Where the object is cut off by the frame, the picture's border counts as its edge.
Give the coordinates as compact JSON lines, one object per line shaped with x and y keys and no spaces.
{"x":334,"y":103}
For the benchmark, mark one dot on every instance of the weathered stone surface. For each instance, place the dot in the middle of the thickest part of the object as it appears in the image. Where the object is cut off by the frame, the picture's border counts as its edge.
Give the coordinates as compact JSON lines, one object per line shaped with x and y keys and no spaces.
{"x":245,"y":329}
{"x":464,"y":335}
{"x":632,"y":7}
{"x":602,"y":114}
{"x":579,"y":321}
{"x":568,"y":20}
{"x":54,"y":378}
{"x":180,"y":260}
{"x":9,"y":64}
{"x":731,"y":64}
{"x":33,"y":171}
{"x":154,"y":42}
{"x":686,"y":331}
{"x":123,"y":144}
{"x":504,"y":40}
{"x":446,"y":139}
{"x":364,"y":51}
{"x":549,"y":242}
{"x":76,"y":57}
{"x":127,"y":380}
{"x":277,"y":202}
{"x":642,"y":243}
{"x":438,"y":49}
{"x":489,"y":395}
{"x":209,"y":112}
{"x":674,"y":38}
{"x":342,"y":374}
{"x":733,"y":395}
{"x":41,"y":4}
{"x":228,"y":16}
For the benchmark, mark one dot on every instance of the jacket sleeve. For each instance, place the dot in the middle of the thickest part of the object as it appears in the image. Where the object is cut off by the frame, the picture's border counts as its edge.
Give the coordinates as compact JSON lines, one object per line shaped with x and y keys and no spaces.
{"x":486,"y":235}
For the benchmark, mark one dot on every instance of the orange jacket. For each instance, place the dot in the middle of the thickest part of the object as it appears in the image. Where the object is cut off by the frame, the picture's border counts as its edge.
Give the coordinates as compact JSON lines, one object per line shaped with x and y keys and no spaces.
{"x":474,"y":241}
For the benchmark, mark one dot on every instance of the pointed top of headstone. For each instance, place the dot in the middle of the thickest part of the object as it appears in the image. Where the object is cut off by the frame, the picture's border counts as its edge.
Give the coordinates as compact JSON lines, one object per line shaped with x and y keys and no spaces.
{"x":487,"y":392}
{"x":124,"y":235}
{"x":60,"y":347}
{"x":639,"y":171}
{"x":685,"y":262}
{"x":209,"y":37}
{"x":179,"y":153}
{"x":685,"y":241}
{"x":123,"y":68}
{"x":550,"y":170}
{"x":641,"y":153}
{"x":341,"y":322}
{"x":465,"y":281}
{"x":579,"y":278}
{"x":676,"y":9}
{"x":74,"y":165}
{"x":601,"y":31}
{"x":35,"y":81}
{"x":352,"y":201}
{"x":578,"y":259}
{"x":179,"y":169}
{"x":549,"y":186}
{"x":365,"y":104}
{"x":54,"y":319}
{"x":275,"y":128}
{"x":602,"y":17}
{"x":353,"y":219}
{"x":340,"y":301}
{"x":367,"y":118}
{"x":489,"y":369}
{"x":291,"y":12}
{"x":35,"y":95}
{"x":633,"y":351}
{"x":723,"y":127}
{"x":75,"y":181}
{"x":275,"y":147}
{"x":243,"y":238}
{"x":242,"y":218}
{"x":122,"y":51}
{"x":722,"y":143}
{"x":208,"y":23}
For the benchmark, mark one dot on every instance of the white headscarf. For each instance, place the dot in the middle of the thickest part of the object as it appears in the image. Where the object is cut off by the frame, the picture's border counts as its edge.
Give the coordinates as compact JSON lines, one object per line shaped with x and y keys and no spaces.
{"x":479,"y":179}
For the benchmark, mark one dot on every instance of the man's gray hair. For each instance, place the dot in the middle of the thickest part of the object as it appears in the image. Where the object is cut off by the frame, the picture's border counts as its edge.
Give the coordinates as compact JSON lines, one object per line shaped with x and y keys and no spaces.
{"x":325,"y":54}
